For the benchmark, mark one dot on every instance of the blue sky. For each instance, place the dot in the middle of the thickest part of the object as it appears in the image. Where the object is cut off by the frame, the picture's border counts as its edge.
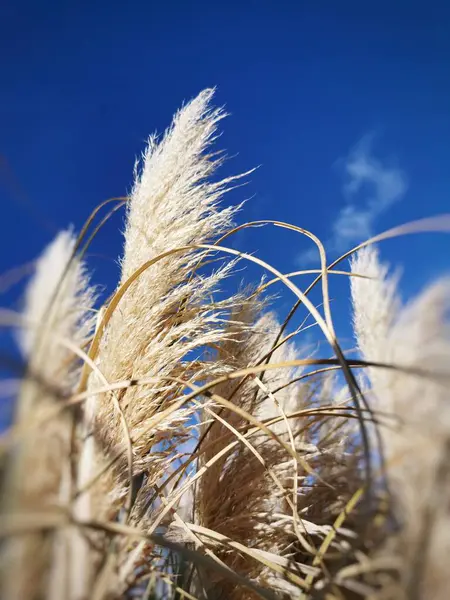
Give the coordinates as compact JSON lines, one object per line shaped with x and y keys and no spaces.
{"x":344,"y":105}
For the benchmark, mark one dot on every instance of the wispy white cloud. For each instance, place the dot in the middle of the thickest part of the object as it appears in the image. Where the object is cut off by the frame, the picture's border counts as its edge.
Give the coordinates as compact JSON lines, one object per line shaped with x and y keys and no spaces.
{"x":370,"y":188}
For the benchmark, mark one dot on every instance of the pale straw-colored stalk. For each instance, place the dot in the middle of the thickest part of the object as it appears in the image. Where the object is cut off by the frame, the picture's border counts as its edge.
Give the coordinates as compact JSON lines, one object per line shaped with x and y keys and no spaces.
{"x":242,"y":496}
{"x":161,"y":325}
{"x":416,"y":336}
{"x":58,"y":303}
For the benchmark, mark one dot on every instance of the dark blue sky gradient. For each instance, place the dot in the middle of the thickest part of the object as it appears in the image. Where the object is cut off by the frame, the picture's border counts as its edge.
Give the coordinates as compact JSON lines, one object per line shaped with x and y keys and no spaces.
{"x":84,"y":83}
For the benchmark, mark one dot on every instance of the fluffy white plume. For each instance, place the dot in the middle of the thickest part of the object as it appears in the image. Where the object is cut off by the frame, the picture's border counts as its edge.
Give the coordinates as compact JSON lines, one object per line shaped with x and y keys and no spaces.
{"x":58,"y":302}
{"x":168,"y":316}
{"x":58,"y":306}
{"x":416,"y":336}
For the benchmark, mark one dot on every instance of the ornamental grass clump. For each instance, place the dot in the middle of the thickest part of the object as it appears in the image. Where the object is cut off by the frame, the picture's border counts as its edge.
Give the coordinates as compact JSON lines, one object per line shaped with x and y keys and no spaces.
{"x":180,"y":440}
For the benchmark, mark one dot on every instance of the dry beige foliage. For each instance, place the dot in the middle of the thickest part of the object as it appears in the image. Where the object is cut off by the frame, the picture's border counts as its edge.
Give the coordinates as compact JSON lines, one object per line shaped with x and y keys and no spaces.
{"x":202,"y":454}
